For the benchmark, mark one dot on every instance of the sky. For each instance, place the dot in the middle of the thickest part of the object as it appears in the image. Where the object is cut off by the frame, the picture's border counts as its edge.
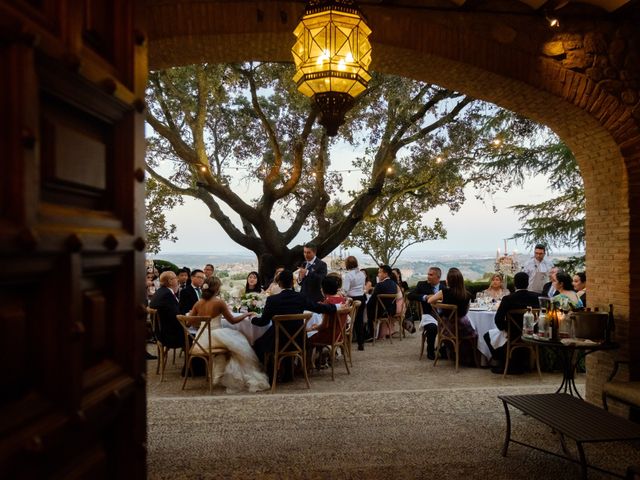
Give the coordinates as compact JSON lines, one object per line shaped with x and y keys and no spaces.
{"x":475,"y":228}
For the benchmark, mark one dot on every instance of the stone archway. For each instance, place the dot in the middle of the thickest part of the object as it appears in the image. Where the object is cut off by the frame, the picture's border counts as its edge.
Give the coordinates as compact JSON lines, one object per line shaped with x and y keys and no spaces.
{"x":583,"y":81}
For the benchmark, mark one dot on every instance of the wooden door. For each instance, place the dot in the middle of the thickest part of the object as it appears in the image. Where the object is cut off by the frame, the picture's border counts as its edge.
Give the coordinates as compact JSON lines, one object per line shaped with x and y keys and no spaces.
{"x":72,"y":331}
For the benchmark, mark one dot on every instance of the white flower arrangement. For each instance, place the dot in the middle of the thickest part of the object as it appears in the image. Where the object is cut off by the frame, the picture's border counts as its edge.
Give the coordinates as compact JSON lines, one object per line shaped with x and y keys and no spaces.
{"x":253,"y":302}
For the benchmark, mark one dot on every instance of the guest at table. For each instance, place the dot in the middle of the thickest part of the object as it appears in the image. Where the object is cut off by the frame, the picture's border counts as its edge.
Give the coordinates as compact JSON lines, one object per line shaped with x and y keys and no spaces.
{"x":208,"y":270}
{"x":566,"y":295}
{"x":152,"y":284}
{"x":456,"y":294}
{"x":211,"y":305}
{"x":496,"y":289}
{"x":184,"y":279}
{"x":496,"y":338}
{"x":421,"y":293}
{"x":252,"y":285}
{"x":241,"y":370}
{"x":549,"y":290}
{"x":192,"y":293}
{"x":397,"y":276}
{"x":274,"y":288}
{"x":385,"y":285}
{"x":401,"y":306}
{"x":368,"y":284}
{"x":580,"y":286}
{"x":353,"y":283}
{"x":288,"y":301}
{"x":166,"y":303}
{"x":324,"y":328}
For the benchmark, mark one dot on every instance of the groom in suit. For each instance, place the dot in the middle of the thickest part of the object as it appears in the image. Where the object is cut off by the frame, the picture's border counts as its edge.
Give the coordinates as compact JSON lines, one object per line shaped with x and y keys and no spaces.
{"x":288,"y":301}
{"x":311,"y":274}
{"x":421,"y":293}
{"x":191,"y":293}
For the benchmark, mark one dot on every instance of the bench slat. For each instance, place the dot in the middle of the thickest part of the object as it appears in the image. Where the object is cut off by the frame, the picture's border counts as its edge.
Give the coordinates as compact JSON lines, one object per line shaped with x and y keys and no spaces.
{"x":575,"y":418}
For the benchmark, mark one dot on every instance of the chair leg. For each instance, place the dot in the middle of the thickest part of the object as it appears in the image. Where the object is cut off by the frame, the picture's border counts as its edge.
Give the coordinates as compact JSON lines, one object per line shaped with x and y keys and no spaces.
{"x":507,"y":358}
{"x":333,"y":363}
{"x":174,"y":356}
{"x":345,"y":363}
{"x":159,"y":355}
{"x":165,"y":353}
{"x":187,"y":371}
{"x":274,"y":380}
{"x":304,"y":370}
{"x":537,"y":354}
{"x":456,"y":346}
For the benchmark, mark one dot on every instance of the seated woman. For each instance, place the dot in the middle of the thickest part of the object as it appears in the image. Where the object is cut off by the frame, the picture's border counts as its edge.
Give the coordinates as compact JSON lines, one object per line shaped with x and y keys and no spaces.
{"x":580,"y":286}
{"x":566,"y":296}
{"x":324,"y":329}
{"x":456,"y":294}
{"x":241,"y":370}
{"x":401,"y":307}
{"x":496,"y":289}
{"x":274,"y":288}
{"x":252,"y":285}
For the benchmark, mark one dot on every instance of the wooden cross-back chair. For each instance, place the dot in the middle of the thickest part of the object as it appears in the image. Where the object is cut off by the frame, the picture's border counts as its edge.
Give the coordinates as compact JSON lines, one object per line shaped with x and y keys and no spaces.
{"x":201,"y":345}
{"x":384,"y":317}
{"x":289,"y":344}
{"x":162,"y":351}
{"x":514,"y":337}
{"x":348,"y":334}
{"x":448,"y":331}
{"x":337,"y":335}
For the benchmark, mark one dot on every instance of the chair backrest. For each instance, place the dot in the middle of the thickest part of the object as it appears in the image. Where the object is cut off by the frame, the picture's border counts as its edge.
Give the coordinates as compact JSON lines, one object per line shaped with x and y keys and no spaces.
{"x":514,"y":322}
{"x":201,"y":343}
{"x":290,"y":340}
{"x":155,"y":323}
{"x":383,"y":301}
{"x":590,"y":325}
{"x":447,"y":317}
{"x":352,"y":316}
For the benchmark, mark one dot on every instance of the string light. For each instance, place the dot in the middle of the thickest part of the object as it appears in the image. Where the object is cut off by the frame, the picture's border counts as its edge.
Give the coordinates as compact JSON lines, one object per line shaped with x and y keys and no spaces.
{"x":439,"y":160}
{"x":497,"y":142}
{"x":389,"y":170}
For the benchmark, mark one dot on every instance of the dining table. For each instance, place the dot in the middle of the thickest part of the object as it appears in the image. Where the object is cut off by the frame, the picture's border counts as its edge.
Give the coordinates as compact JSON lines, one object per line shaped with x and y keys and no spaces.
{"x":483,"y":320}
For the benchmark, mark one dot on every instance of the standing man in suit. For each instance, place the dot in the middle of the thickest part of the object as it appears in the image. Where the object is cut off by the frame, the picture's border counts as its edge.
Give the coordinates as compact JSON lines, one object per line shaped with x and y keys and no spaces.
{"x":311,"y":274}
{"x":421,"y":293}
{"x":521,"y":298}
{"x":288,"y":301}
{"x":191,"y":293}
{"x":385,"y":285}
{"x":166,"y":302}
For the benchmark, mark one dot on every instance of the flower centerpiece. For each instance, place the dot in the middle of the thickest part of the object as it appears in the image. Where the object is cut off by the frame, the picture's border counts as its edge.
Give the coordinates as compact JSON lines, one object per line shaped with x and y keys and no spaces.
{"x":253,"y":302}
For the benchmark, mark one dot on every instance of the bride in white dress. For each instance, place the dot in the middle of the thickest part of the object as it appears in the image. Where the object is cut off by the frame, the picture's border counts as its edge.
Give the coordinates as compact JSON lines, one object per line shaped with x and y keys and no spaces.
{"x":240,"y":370}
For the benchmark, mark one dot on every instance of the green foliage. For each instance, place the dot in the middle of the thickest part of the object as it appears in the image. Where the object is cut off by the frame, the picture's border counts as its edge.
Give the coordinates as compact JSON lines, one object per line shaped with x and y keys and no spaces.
{"x":159,"y":199}
{"x":571,"y":265}
{"x":558,"y":222}
{"x":163,"y":265}
{"x":239,"y":276}
{"x":385,"y":236}
{"x":222,"y":274}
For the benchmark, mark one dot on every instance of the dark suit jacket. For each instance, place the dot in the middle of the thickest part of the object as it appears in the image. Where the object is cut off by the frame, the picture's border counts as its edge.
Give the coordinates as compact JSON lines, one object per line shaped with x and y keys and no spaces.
{"x":312,"y":281}
{"x":384,"y":287}
{"x":171,"y":332}
{"x":284,"y":303}
{"x":422,"y":289}
{"x":519,"y":299}
{"x":188,"y":298}
{"x":545,"y":290}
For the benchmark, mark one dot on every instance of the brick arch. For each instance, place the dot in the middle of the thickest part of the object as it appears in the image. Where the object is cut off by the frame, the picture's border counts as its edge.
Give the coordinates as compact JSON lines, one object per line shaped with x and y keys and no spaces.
{"x":582,"y":82}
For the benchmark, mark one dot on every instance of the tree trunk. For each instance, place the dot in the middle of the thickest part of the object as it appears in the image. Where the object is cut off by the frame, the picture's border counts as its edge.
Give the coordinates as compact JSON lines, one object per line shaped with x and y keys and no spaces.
{"x":268,"y":262}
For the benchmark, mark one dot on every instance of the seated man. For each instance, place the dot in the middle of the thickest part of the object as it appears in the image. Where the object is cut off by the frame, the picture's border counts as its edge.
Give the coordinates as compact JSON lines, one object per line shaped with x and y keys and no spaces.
{"x":421,"y":293}
{"x":521,"y":298}
{"x":288,"y":301}
{"x":166,"y":302}
{"x":385,"y":285}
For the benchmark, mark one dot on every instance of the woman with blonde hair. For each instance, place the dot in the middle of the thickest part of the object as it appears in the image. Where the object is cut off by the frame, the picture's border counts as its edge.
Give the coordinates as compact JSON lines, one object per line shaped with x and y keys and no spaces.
{"x":496,"y":289}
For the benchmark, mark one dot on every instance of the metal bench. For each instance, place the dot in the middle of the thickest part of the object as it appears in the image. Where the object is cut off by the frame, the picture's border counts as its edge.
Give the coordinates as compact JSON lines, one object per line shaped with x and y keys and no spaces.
{"x":573,"y":418}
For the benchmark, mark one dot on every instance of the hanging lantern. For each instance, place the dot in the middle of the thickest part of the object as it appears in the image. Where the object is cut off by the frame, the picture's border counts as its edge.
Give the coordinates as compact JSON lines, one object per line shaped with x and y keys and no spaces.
{"x":332,"y":56}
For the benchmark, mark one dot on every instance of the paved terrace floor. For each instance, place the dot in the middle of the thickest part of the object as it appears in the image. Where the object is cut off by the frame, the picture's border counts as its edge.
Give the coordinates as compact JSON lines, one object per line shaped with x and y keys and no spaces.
{"x":394,"y":417}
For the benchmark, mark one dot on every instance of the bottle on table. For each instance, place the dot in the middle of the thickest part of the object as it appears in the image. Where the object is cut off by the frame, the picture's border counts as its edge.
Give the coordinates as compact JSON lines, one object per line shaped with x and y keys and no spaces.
{"x":528,"y":322}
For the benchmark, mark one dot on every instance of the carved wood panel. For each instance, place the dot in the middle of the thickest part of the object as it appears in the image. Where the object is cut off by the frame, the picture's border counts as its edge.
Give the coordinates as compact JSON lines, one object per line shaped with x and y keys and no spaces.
{"x":72,"y":326}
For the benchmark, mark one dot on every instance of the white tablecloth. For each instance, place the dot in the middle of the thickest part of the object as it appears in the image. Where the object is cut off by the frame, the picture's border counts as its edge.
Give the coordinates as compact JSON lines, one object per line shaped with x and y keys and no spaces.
{"x":482,"y":321}
{"x":254,"y":332}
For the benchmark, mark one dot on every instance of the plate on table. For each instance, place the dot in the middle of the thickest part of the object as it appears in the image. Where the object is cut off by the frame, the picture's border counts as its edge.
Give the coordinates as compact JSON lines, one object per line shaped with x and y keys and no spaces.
{"x":479,"y":309}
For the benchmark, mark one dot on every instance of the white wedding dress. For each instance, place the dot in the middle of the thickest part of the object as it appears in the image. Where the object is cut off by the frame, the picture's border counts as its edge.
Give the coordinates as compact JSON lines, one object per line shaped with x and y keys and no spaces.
{"x":241,"y":370}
